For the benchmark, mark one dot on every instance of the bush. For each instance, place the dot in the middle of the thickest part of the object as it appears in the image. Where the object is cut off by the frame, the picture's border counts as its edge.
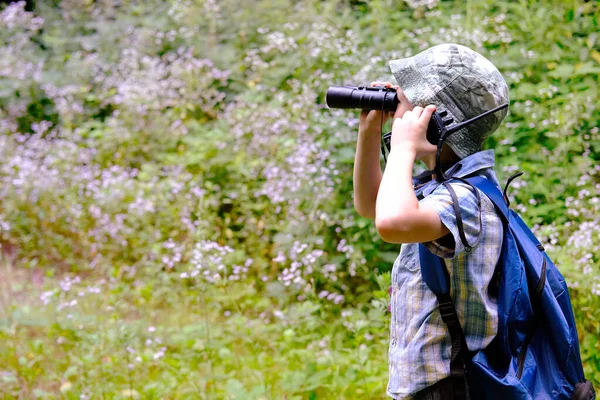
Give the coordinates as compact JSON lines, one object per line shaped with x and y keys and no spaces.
{"x":181,"y":149}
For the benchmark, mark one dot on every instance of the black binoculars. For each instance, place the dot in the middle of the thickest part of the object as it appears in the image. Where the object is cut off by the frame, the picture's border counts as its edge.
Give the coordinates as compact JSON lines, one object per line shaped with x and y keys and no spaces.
{"x":362,"y":97}
{"x":386,"y":99}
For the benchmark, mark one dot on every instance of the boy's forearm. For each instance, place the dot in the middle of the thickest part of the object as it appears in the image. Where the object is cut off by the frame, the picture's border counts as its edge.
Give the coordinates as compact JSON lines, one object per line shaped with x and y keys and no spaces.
{"x":396,"y":194}
{"x":367,"y":173}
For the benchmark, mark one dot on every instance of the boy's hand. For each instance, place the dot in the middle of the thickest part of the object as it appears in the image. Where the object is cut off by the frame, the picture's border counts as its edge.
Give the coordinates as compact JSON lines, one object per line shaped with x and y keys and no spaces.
{"x":410,"y":129}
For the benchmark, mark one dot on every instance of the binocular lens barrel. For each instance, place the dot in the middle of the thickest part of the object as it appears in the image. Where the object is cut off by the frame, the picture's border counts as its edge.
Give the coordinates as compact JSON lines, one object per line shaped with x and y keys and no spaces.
{"x":363,"y":98}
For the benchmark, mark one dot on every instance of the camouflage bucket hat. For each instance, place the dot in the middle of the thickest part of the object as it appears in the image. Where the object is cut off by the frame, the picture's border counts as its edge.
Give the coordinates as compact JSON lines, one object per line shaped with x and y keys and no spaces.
{"x":460,"y":80}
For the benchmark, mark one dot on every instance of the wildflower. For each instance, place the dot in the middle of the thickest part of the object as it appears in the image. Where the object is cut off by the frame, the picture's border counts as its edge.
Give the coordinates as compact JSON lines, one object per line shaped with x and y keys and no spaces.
{"x":160,"y":353}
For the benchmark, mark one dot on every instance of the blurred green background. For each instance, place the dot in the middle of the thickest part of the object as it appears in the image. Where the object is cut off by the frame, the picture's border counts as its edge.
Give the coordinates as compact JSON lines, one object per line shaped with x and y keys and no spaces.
{"x":177,"y":217}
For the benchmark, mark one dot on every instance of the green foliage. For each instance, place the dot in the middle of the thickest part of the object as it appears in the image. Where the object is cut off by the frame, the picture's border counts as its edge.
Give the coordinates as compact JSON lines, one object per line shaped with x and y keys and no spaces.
{"x":179,"y":155}
{"x":107,"y":338}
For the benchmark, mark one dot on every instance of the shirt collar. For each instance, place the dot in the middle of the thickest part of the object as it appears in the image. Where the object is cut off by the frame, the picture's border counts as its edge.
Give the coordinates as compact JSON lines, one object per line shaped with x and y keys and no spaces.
{"x":467,"y":166}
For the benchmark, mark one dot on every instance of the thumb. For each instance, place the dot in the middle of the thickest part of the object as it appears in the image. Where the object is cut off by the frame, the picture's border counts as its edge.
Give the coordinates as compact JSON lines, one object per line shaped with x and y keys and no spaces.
{"x":427,"y":112}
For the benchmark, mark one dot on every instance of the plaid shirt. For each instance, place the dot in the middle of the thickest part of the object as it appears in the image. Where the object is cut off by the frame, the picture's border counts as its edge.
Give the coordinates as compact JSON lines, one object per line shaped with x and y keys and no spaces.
{"x":419,"y":352}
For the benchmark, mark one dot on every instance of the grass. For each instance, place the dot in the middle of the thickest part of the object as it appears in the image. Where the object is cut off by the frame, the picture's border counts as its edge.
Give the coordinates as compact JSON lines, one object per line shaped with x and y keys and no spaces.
{"x":148,"y":339}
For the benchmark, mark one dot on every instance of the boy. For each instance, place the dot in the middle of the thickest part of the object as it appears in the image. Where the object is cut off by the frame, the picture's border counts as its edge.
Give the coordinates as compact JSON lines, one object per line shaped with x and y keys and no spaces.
{"x":465,"y":84}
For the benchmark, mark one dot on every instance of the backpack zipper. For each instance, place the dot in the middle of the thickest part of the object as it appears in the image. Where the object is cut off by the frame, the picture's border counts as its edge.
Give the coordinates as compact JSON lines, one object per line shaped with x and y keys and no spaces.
{"x":523,"y":353}
{"x":540,"y":286}
{"x":538,"y":290}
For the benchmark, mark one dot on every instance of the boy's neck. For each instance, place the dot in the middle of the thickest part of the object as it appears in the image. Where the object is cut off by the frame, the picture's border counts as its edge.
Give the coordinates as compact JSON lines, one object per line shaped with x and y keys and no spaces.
{"x":448,"y":157}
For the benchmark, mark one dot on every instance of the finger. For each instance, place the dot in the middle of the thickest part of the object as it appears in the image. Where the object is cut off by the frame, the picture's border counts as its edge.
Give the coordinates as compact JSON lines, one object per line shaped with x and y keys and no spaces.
{"x":400,"y":111}
{"x":427,"y":112}
{"x":406,"y":115}
{"x":377,"y":83}
{"x":417,"y":111}
{"x":395,"y":121}
{"x":371,"y":115}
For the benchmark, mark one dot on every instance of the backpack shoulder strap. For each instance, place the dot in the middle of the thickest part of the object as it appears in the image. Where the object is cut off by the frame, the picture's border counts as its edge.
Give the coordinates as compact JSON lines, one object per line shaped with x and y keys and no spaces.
{"x":492,"y":192}
{"x":433,"y":268}
{"x":435,"y":275}
{"x":459,"y":221}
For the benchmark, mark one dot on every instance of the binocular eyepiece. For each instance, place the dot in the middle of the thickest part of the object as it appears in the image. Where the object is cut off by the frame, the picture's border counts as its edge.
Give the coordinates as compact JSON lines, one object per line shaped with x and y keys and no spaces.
{"x":362,"y":97}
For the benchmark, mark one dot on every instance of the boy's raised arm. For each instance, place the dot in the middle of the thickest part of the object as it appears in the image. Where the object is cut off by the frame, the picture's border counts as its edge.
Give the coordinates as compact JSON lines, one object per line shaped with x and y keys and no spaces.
{"x":400,"y":219}
{"x":367,"y":171}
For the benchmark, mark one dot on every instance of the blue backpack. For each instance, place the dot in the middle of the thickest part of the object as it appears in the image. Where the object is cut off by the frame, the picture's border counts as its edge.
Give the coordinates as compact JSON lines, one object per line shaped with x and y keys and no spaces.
{"x":535,"y":354}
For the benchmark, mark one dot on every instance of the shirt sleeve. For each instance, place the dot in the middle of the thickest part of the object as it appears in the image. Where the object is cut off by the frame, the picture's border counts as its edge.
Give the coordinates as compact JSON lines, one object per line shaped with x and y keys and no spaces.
{"x":468,"y":203}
